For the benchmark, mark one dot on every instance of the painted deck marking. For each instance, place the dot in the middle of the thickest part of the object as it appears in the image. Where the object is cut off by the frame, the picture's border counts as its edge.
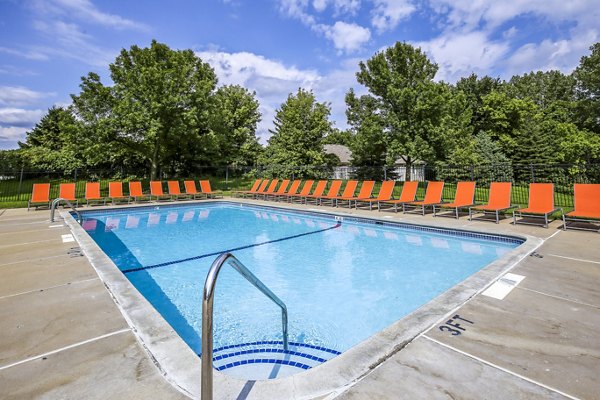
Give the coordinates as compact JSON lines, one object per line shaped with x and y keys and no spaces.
{"x":464,"y":353}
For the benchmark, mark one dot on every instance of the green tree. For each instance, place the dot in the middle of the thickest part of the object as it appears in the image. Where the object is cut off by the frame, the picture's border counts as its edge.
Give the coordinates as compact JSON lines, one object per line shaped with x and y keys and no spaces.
{"x":52,"y":144}
{"x":475,"y":89}
{"x":369,"y":142}
{"x":233,"y":119}
{"x":301,"y":124}
{"x":157,"y":110}
{"x":587,"y":75}
{"x":413,"y":108}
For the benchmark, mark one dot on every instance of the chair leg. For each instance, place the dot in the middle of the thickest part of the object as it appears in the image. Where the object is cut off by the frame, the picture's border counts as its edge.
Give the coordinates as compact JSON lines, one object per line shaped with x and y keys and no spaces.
{"x":564,"y":223}
{"x":456,"y":209}
{"x":497,"y":217}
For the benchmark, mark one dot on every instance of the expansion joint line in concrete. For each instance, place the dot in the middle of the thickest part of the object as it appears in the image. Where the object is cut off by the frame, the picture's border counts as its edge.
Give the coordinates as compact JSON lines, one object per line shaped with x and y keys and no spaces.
{"x":65,"y":348}
{"x":50,"y":287}
{"x":30,"y":260}
{"x":488,"y":363}
{"x":573,"y":258}
{"x":559,"y":298}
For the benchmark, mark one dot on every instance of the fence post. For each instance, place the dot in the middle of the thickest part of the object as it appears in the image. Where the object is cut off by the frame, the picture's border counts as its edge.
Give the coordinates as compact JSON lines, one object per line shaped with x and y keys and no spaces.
{"x":472,"y":172}
{"x":532,"y":172}
{"x":20,"y":183}
{"x":75,"y":175}
{"x":384,"y":173}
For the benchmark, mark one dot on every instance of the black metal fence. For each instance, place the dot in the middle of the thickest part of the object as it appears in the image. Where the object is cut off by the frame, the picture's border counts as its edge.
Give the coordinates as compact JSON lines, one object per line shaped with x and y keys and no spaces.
{"x":16,"y":186}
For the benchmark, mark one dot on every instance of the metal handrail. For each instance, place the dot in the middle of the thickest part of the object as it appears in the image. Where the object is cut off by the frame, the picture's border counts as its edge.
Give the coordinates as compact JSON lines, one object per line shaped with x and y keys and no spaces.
{"x":55,"y":203}
{"x":207,"y":315}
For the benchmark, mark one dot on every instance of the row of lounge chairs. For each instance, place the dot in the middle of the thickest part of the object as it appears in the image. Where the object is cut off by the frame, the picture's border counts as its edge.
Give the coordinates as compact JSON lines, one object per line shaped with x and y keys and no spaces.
{"x":40,"y":195}
{"x":541,"y":198}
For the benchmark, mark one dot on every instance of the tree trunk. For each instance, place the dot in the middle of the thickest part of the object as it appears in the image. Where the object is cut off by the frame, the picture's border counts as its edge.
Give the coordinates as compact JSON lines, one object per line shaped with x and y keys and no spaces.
{"x":408,"y":171}
{"x":154,"y":162}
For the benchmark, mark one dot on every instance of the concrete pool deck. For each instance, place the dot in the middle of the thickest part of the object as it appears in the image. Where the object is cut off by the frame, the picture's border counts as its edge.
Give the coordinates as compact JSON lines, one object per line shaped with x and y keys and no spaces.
{"x":541,"y":341}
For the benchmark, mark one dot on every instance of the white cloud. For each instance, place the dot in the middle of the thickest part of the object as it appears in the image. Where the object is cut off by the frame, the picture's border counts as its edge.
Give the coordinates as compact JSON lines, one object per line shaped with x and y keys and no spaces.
{"x":29,"y":55}
{"x":387,"y":14}
{"x":85,"y":10}
{"x":73,"y":43}
{"x":347,"y":37}
{"x":19,"y":95}
{"x":341,"y":7}
{"x":20,"y":117}
{"x":12,"y":134}
{"x":273,"y":81}
{"x":459,"y":55}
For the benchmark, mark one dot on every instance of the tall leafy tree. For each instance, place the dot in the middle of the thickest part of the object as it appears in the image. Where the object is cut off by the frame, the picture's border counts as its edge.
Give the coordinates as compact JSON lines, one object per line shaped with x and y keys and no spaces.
{"x":475,"y":89}
{"x":587,"y":75}
{"x":297,"y":139}
{"x":52,"y":144}
{"x":233,"y":119}
{"x":412,"y":107}
{"x":157,"y":109}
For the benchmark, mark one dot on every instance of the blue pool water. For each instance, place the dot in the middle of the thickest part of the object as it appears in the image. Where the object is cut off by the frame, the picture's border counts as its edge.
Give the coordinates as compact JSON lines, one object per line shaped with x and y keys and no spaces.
{"x":342,"y":281}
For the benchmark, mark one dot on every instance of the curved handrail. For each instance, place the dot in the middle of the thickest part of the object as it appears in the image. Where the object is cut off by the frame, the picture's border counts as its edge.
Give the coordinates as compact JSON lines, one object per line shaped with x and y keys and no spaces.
{"x":55,"y":203}
{"x":207,"y":315}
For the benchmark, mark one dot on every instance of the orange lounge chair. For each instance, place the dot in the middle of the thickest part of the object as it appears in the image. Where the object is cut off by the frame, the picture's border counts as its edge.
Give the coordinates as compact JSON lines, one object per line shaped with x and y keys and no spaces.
{"x":270,"y":189}
{"x":281,"y":191}
{"x":261,"y":189}
{"x":190,"y":189}
{"x":303,"y":193}
{"x":136,"y":192}
{"x":115,"y":192}
{"x":365,"y":193}
{"x":92,"y":193}
{"x":67,"y":191}
{"x":207,"y":190}
{"x":294,"y":187}
{"x":541,"y":204}
{"x":586,"y":205}
{"x":175,"y":191}
{"x":349,"y":191}
{"x":156,"y":190}
{"x":40,"y":195}
{"x":319,"y":190}
{"x":253,"y":189}
{"x":499,"y":200}
{"x":464,"y":198}
{"x":409,"y":194}
{"x":433,"y":195}
{"x":333,"y":192}
{"x":385,"y":193}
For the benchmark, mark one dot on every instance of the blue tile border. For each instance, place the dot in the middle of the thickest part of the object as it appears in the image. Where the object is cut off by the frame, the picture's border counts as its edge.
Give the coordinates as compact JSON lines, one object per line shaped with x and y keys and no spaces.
{"x":276,"y":342}
{"x":324,"y":215}
{"x":278,"y":351}
{"x":263,"y":361}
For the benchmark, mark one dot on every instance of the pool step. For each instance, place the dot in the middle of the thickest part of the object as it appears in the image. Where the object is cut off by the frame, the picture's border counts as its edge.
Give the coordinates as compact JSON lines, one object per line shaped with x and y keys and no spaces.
{"x":268,"y":360}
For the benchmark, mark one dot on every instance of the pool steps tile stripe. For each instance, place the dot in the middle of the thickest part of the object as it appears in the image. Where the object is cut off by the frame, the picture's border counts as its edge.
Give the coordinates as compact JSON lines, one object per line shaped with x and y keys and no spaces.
{"x":166,"y":264}
{"x":263,"y":361}
{"x":464,"y":353}
{"x":293,"y":358}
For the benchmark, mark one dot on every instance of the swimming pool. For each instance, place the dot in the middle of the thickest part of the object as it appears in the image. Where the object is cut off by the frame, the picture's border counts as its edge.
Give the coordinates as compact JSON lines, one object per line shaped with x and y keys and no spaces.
{"x":342,"y":279}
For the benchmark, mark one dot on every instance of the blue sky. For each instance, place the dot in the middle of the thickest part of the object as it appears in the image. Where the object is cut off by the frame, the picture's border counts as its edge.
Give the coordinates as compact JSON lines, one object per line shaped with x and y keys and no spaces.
{"x":275,"y":46}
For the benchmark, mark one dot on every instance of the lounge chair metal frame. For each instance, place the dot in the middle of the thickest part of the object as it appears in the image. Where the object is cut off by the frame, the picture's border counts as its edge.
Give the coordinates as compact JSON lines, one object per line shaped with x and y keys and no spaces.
{"x":481,"y":208}
{"x":591,"y":220}
{"x":518,"y":213}
{"x":453,"y":205}
{"x":423,"y":203}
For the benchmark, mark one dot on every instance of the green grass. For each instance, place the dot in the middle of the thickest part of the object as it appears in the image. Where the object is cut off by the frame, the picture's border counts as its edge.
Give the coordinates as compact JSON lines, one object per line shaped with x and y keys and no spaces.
{"x":9,"y":198}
